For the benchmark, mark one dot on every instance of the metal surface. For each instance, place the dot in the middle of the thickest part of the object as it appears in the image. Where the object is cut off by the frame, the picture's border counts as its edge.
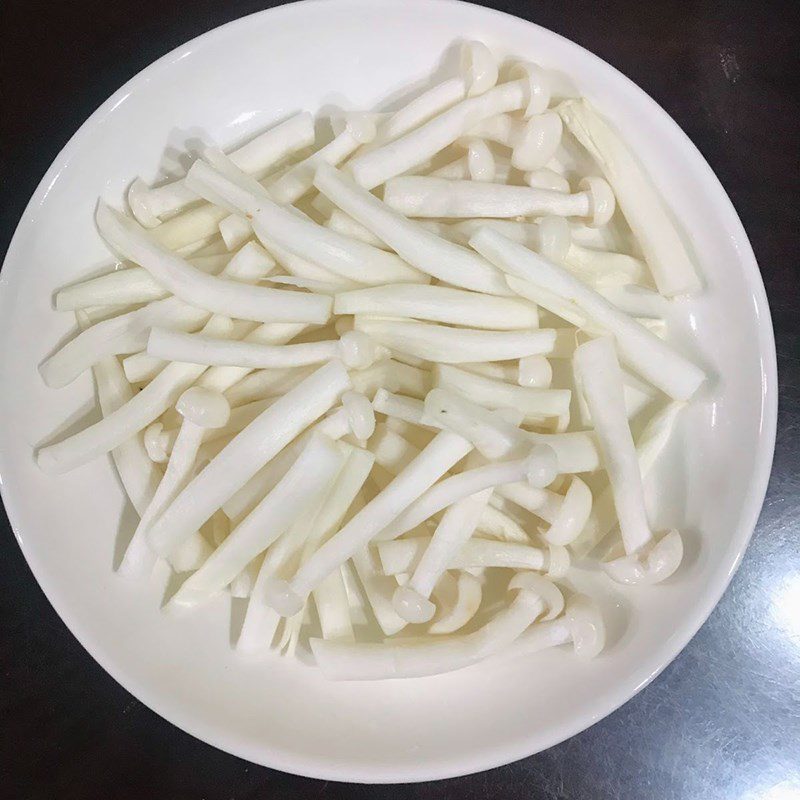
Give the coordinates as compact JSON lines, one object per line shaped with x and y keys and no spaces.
{"x":723,"y":721}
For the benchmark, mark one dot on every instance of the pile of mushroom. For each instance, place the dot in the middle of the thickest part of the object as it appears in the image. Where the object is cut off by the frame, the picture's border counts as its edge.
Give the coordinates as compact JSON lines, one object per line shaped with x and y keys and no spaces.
{"x":361,"y":382}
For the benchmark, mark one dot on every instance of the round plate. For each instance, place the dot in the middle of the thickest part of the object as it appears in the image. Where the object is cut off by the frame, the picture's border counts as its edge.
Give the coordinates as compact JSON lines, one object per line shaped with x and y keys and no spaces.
{"x":224,"y":86}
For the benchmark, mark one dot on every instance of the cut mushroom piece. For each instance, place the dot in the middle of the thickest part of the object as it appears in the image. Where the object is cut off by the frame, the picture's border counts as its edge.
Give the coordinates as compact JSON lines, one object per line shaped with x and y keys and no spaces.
{"x":201,"y":409}
{"x":149,"y":205}
{"x":440,"y":304}
{"x":418,"y":145}
{"x":494,"y":436}
{"x":412,"y":601}
{"x":356,"y":349}
{"x":653,"y":359}
{"x":424,"y":196}
{"x":272,"y":223}
{"x":581,"y":626}
{"x":315,"y":468}
{"x":354,"y":661}
{"x":420,"y":247}
{"x":403,"y":556}
{"x":246,"y":453}
{"x":458,"y":600}
{"x":648,"y":558}
{"x":446,"y":450}
{"x":537,"y":469}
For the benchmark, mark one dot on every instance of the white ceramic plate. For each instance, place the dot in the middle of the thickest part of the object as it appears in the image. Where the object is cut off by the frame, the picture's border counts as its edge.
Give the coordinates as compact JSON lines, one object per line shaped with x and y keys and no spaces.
{"x":235,"y":81}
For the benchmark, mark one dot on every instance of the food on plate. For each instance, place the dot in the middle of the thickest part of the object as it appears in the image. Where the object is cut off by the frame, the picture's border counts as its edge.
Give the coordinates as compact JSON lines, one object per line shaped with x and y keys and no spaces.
{"x":361,"y":382}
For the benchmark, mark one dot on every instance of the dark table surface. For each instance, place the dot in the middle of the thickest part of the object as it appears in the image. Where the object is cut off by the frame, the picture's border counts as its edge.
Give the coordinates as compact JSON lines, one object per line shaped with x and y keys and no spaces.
{"x":723,"y":721}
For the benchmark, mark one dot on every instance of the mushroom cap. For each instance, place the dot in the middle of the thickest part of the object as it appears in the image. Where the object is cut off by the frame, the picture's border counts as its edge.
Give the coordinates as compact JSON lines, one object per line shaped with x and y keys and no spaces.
{"x":480,"y":160}
{"x":601,"y":200}
{"x":545,"y":178}
{"x":360,"y":414}
{"x":478,"y":67}
{"x":586,"y":626}
{"x":572,"y":516}
{"x":554,"y":237}
{"x":541,"y":466}
{"x":155,"y":443}
{"x":469,"y":592}
{"x":361,"y":127}
{"x":359,"y":351}
{"x":206,"y":408}
{"x":650,"y":565}
{"x":538,"y":86}
{"x":411,"y":605}
{"x":538,"y":141}
{"x":546,"y":590}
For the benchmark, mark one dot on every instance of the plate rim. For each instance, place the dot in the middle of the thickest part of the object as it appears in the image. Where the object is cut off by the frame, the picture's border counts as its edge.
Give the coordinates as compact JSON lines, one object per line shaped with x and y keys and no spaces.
{"x":454,"y":766}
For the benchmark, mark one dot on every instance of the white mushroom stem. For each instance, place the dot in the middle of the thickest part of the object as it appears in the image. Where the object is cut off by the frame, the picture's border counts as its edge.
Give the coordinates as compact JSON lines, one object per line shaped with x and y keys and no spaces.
{"x":141,"y":367}
{"x":330,"y":597}
{"x":414,"y":555}
{"x":255,"y":157}
{"x":201,"y":409}
{"x":341,"y":422}
{"x":649,"y":446}
{"x":480,"y":161}
{"x":246,"y":453}
{"x":138,"y":475}
{"x":581,"y":625}
{"x":472,"y":164}
{"x":230,"y":298}
{"x":299,"y":178}
{"x":495,"y":437}
{"x":533,"y":141}
{"x":127,"y":333}
{"x":566,"y":514}
{"x":393,"y":375}
{"x":418,"y":246}
{"x":456,"y":526}
{"x":653,"y":359}
{"x":478,"y":74}
{"x":131,"y":417}
{"x":638,"y":199}
{"x":190,"y":231}
{"x":418,"y":145}
{"x":339,"y":254}
{"x":126,"y":286}
{"x":601,"y":377}
{"x":261,"y":622}
{"x":315,"y":468}
{"x":535,"y":404}
{"x":265,"y":383}
{"x":544,"y":178}
{"x":424,"y":196}
{"x":346,"y":225}
{"x":357,"y":351}
{"x":394,"y":453}
{"x":537,"y":469}
{"x":448,"y":345}
{"x":438,"y":457}
{"x":439,"y":304}
{"x":507,"y":371}
{"x":224,"y":378}
{"x":458,"y":600}
{"x":356,"y":661}
{"x":409,"y":409}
